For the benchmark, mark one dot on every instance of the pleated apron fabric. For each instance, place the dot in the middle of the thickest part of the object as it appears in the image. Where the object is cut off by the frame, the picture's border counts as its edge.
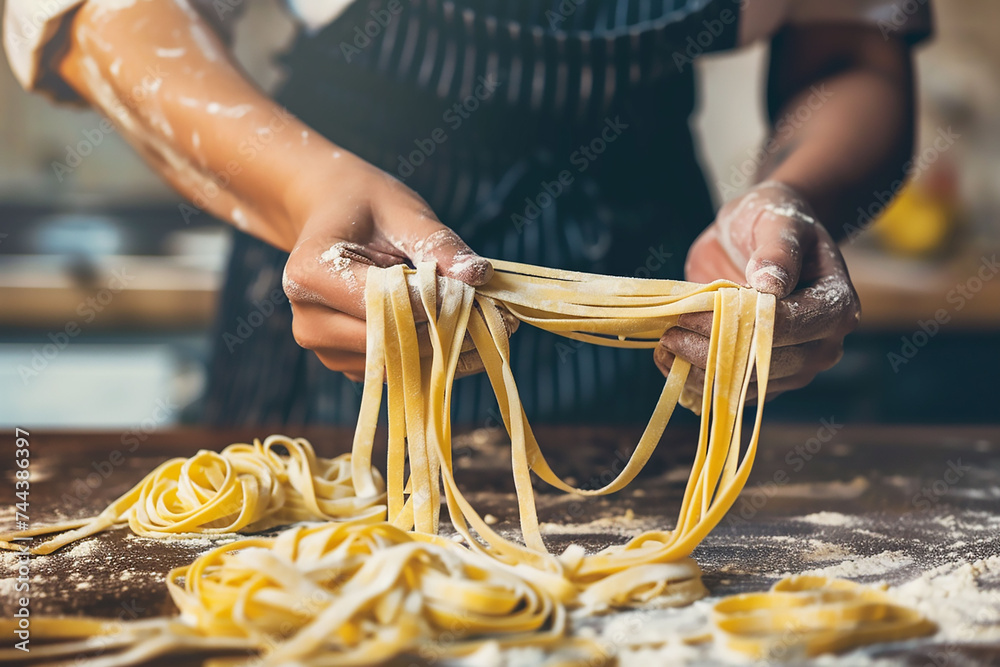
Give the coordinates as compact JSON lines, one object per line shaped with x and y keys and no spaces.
{"x":551,"y":132}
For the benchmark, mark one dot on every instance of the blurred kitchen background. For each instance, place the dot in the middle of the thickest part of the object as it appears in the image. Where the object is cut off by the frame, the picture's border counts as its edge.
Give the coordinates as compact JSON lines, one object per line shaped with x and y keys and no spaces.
{"x":107,"y":295}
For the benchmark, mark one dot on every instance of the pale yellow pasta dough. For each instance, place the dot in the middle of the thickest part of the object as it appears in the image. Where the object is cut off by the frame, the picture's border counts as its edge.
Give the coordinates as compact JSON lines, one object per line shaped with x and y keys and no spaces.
{"x":806,"y":616}
{"x":381,"y":582}
{"x":245,"y":488}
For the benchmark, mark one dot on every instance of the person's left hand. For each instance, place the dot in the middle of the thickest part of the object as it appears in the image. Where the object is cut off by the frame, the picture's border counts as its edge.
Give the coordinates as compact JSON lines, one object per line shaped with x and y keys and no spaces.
{"x":769,"y":238}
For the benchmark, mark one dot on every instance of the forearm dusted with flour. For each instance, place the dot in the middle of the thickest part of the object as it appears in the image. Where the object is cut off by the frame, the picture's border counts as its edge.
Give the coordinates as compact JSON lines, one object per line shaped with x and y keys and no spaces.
{"x":841,"y":100}
{"x":163,"y":75}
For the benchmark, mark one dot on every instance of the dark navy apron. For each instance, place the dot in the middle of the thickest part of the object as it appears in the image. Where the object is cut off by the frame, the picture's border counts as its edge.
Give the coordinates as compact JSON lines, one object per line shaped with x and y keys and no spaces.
{"x":551,"y":132}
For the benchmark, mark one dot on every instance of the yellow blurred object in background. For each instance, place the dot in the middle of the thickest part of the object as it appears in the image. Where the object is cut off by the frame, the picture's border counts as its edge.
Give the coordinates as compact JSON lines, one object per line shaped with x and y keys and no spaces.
{"x":920,"y":221}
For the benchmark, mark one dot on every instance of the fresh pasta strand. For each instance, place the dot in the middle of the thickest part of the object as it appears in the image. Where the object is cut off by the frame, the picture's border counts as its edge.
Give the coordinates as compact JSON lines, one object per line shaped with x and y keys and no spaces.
{"x":604,"y":310}
{"x":245,"y":488}
{"x":386,"y":589}
{"x":334,"y":594}
{"x":341,"y":594}
{"x":806,"y":616}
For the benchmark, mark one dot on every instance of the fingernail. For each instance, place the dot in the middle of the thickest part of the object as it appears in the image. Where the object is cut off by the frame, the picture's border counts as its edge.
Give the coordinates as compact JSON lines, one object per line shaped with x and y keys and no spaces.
{"x":471,"y":269}
{"x":663,"y":359}
{"x":770,"y":279}
{"x":663,"y":355}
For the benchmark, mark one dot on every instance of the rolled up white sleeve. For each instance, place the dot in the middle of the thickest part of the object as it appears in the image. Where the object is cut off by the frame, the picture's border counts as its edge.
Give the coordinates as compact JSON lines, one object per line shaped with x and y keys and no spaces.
{"x":35,"y":37}
{"x":910,"y":20}
{"x":31,"y":30}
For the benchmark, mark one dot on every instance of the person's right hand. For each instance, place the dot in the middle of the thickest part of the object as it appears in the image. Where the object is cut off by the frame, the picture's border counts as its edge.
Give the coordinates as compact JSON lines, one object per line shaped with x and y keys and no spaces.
{"x":335,"y":213}
{"x":366,"y":218}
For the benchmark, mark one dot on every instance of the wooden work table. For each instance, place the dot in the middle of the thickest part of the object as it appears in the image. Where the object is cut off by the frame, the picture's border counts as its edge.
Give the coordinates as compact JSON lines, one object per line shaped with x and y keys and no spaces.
{"x":875,"y":504}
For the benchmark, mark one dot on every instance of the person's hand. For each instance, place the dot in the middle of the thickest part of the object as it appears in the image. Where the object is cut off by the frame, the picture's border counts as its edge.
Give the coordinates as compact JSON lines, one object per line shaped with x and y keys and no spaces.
{"x":366,"y":219}
{"x":769,"y":238}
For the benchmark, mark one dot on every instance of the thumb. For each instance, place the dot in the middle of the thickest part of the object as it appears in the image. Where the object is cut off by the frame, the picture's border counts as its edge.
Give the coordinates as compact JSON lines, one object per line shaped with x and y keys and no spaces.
{"x":770,"y":230}
{"x":452,"y":256}
{"x":421,"y":237}
{"x":779,"y":241}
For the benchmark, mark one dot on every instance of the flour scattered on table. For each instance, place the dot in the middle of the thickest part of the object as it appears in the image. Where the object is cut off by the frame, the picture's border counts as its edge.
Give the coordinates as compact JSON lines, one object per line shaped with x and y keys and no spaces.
{"x":82,"y":549}
{"x":962,"y":597}
{"x":862,"y":566}
{"x":828,"y":519}
{"x":626,"y":524}
{"x":7,"y":588}
{"x":824,"y":490}
{"x":192,"y":541}
{"x":820,"y":551}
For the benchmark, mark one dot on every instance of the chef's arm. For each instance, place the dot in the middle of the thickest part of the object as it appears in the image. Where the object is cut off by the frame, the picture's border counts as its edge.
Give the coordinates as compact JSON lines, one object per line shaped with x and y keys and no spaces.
{"x":841,"y":104}
{"x":163,"y":75}
{"x":160,"y":71}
